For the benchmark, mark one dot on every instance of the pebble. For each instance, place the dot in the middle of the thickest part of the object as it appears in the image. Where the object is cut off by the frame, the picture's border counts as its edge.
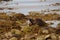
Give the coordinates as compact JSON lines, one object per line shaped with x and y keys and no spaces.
{"x":8,"y":35}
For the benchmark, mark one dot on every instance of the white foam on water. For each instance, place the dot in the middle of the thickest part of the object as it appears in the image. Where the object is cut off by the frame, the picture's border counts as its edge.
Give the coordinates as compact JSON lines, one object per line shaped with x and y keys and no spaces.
{"x":55,"y":23}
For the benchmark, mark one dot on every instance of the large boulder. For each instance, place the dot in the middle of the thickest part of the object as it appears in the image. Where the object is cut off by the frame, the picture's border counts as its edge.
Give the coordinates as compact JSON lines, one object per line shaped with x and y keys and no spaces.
{"x":38,"y":21}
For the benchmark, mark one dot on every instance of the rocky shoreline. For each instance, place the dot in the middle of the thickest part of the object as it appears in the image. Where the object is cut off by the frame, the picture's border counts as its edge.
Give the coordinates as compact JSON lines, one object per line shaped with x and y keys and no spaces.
{"x":15,"y":26}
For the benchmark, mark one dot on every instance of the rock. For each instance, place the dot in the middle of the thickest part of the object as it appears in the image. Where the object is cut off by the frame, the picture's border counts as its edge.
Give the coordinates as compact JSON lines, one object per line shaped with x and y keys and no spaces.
{"x":58,"y":18}
{"x":18,"y":16}
{"x":58,"y":31}
{"x":58,"y":26}
{"x":17,"y":36}
{"x":58,"y":37}
{"x":48,"y":37}
{"x":15,"y":31}
{"x":2,"y":36}
{"x":13,"y":38}
{"x":5,"y":39}
{"x":45,"y":31}
{"x":40,"y":37}
{"x":8,"y":35}
{"x":38,"y":21}
{"x":32,"y":22}
{"x":54,"y":37}
{"x":4,"y":0}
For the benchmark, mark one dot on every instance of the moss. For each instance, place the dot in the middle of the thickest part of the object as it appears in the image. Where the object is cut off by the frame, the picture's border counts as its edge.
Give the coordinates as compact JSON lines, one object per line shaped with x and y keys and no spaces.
{"x":27,"y":29}
{"x":15,"y":31}
{"x":31,"y":29}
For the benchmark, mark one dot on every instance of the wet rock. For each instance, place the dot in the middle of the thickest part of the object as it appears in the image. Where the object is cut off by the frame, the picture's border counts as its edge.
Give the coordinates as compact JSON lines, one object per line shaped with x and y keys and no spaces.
{"x":32,"y":22}
{"x":5,"y":0}
{"x":58,"y":18}
{"x":1,"y":8}
{"x":38,"y":21}
{"x":58,"y":31}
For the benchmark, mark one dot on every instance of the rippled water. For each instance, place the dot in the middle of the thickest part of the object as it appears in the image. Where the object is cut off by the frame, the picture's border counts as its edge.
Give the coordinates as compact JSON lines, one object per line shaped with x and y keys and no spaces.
{"x":24,"y":6}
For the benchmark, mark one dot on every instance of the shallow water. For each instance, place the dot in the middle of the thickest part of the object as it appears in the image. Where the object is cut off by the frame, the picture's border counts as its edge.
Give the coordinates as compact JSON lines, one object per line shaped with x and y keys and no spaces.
{"x":25,"y":6}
